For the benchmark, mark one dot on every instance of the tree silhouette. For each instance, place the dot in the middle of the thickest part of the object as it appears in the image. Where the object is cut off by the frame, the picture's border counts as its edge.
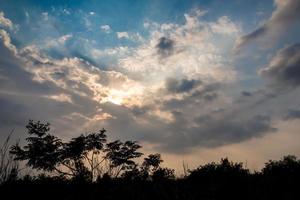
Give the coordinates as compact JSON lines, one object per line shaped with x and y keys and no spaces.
{"x":43,"y":151}
{"x":225,"y":167}
{"x":152,"y":161}
{"x":161,"y":174}
{"x":121,"y":155}
{"x":84,"y":157}
{"x":289,"y":164}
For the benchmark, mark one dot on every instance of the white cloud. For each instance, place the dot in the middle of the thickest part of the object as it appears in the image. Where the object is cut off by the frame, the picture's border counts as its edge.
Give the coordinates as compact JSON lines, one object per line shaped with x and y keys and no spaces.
{"x":194,"y":52}
{"x":74,"y":74}
{"x":122,"y":35}
{"x":146,"y":25}
{"x":66,"y":11}
{"x":135,"y":37}
{"x":117,"y":51}
{"x":5,"y":21}
{"x":60,"y":98}
{"x":225,"y":26}
{"x":58,"y":42}
{"x":45,"y":16}
{"x":64,"y":38}
{"x":7,"y":41}
{"x":87,"y":23}
{"x":106,"y":28}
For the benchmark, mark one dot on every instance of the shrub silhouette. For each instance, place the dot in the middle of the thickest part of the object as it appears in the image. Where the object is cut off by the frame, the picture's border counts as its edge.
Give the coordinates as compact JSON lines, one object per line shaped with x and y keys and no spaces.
{"x":9,"y":169}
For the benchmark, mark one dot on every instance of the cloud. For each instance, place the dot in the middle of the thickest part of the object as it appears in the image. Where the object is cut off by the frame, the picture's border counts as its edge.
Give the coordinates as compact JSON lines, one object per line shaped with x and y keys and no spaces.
{"x":194,"y":119}
{"x":60,"y":98}
{"x":5,"y":22}
{"x":4,"y":36}
{"x":58,"y":42}
{"x":20,"y":96}
{"x":179,"y":86}
{"x":106,"y":28}
{"x":87,"y":22}
{"x":292,"y":114}
{"x":246,"y":93}
{"x":122,"y":35}
{"x":66,"y":11}
{"x":165,"y":46}
{"x":65,"y":38}
{"x":284,"y":67}
{"x":75,"y":74}
{"x":285,"y":15}
{"x":189,"y":50}
{"x":45,"y":16}
{"x":225,"y":26}
{"x":207,"y":117}
{"x":231,"y":130}
{"x":68,"y":92}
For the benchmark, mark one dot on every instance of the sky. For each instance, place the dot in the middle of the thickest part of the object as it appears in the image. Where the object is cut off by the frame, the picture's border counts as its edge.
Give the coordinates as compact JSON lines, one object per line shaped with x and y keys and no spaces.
{"x":194,"y":80}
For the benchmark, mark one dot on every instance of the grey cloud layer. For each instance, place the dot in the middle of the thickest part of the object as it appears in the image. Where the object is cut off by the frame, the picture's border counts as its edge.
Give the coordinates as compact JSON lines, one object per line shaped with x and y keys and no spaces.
{"x":286,"y":14}
{"x":197,"y":118}
{"x":284,"y":68}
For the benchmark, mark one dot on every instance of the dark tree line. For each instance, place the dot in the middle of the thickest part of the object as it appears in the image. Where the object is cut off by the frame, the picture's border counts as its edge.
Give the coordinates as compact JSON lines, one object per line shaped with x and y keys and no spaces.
{"x":91,"y":167}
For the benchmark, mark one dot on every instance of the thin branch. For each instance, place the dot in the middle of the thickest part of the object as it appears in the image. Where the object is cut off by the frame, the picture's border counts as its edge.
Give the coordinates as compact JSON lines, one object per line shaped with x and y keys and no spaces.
{"x":61,"y":172}
{"x":69,"y":167}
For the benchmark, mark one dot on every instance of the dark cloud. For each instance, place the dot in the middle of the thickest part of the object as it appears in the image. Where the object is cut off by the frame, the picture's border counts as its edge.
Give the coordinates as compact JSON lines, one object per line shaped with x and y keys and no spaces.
{"x":284,"y":68}
{"x":213,"y":132}
{"x":286,"y":14}
{"x":165,"y":46}
{"x":179,"y":86}
{"x":139,"y":110}
{"x":246,"y":93}
{"x":188,"y":131}
{"x":202,"y":93}
{"x":211,"y":96}
{"x":252,"y":36}
{"x":292,"y":114}
{"x":199,"y":124}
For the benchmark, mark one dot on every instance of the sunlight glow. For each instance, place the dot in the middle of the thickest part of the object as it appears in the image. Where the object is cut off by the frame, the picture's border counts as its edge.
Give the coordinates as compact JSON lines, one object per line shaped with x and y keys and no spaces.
{"x":126,"y":97}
